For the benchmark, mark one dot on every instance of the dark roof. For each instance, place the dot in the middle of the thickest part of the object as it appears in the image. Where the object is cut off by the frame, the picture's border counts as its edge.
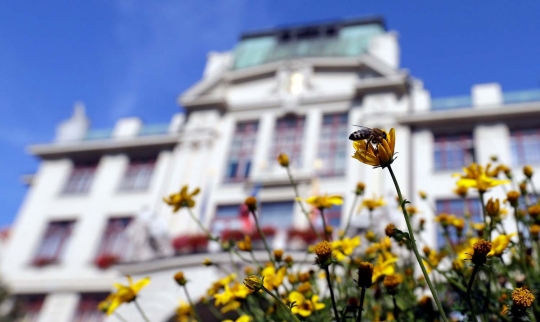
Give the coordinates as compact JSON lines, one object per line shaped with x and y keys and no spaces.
{"x":326,"y":24}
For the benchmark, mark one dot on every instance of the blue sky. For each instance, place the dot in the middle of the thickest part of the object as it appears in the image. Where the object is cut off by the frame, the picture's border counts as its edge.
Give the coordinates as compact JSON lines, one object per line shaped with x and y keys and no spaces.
{"x":132,"y":58}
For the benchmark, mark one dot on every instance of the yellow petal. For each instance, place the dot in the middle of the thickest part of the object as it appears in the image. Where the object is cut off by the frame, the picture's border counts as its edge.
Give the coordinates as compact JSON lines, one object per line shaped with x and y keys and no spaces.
{"x":140,"y":284}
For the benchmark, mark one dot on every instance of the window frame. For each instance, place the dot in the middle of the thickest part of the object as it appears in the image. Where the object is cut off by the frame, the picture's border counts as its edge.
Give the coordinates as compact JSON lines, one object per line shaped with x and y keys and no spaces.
{"x":109,"y":248}
{"x":520,"y":146}
{"x":31,"y":304}
{"x":132,"y":175}
{"x":246,"y":133}
{"x":42,"y":255}
{"x":80,"y":179}
{"x":337,"y":143}
{"x":445,"y":144}
{"x":283,"y":132}
{"x":87,"y":304}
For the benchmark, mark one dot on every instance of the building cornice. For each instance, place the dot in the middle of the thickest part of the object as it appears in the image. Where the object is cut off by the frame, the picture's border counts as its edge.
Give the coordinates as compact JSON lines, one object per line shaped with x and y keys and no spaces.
{"x":472,"y":115}
{"x":56,"y":150}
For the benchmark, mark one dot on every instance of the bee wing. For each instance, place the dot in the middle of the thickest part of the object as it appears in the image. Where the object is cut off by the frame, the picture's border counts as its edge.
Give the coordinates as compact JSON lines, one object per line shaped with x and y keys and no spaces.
{"x":364,"y":127}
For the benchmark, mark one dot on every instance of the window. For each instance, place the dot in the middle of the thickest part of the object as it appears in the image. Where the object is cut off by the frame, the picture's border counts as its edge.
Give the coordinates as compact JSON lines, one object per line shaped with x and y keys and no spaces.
{"x":276,"y":214}
{"x":228,"y":217}
{"x":241,"y":151}
{"x":138,"y":175}
{"x":525,"y":146}
{"x":288,"y":138}
{"x":87,"y":310}
{"x":333,"y":145}
{"x":30,"y":306}
{"x":452,"y":152}
{"x":53,"y":243}
{"x":114,"y":243}
{"x":80,"y":179}
{"x":457,"y":207}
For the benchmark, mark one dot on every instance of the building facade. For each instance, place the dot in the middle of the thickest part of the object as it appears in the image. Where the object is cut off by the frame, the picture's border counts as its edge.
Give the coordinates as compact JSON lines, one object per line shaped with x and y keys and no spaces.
{"x":94,"y":211}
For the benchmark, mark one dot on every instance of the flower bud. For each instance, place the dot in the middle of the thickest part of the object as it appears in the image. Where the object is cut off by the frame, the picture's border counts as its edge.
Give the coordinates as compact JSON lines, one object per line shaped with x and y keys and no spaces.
{"x":180,"y":279}
{"x":389,"y":230}
{"x":528,"y":171}
{"x":360,"y":187}
{"x":278,"y":254}
{"x":253,"y":282}
{"x":283,"y":160}
{"x":251,"y":203}
{"x":512,"y":197}
{"x":365,"y":274}
{"x":493,"y":207}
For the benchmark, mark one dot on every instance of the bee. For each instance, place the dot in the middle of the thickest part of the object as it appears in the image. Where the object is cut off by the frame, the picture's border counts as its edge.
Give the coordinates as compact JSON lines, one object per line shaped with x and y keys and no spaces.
{"x":373,"y":135}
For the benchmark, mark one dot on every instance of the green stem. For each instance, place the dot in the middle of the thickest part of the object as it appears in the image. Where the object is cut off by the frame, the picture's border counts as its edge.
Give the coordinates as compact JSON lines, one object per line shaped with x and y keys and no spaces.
{"x":471,"y":281}
{"x":325,"y":231}
{"x":487,"y":236}
{"x":334,"y":306}
{"x":521,"y":243}
{"x":351,"y":212}
{"x":192,"y":305}
{"x":280,"y":302}
{"x":201,"y":226}
{"x":293,"y":183}
{"x":263,"y":238}
{"x":119,"y":317}
{"x":396,"y":309}
{"x":534,"y":190}
{"x":415,"y":248}
{"x":141,"y":310}
{"x":362,"y":295}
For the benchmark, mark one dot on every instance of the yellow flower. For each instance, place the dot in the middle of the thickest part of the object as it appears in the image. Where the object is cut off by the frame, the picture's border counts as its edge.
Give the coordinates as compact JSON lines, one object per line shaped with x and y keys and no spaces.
{"x":481,"y":250}
{"x":184,"y":313}
{"x":126,"y":294}
{"x":323,"y":250}
{"x":303,"y":306}
{"x":104,"y":305}
{"x":499,"y":244}
{"x":245,"y":245}
{"x":345,"y":247}
{"x":372,"y":204}
{"x":522,"y":297}
{"x":273,"y":279}
{"x":445,"y":219}
{"x":325,"y":201}
{"x":181,"y":199}
{"x":391,"y":283}
{"x":383,"y":267}
{"x":380,"y":156}
{"x":231,"y":294}
{"x":475,"y":177}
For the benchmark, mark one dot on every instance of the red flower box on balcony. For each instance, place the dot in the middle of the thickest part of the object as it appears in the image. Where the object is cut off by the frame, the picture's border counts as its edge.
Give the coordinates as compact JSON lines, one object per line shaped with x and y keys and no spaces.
{"x":105,"y":261}
{"x":190,"y":244}
{"x":41,"y":261}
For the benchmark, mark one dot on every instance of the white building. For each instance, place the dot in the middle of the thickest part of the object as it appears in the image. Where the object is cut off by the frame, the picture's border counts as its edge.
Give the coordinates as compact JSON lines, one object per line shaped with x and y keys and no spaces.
{"x":97,"y":194}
